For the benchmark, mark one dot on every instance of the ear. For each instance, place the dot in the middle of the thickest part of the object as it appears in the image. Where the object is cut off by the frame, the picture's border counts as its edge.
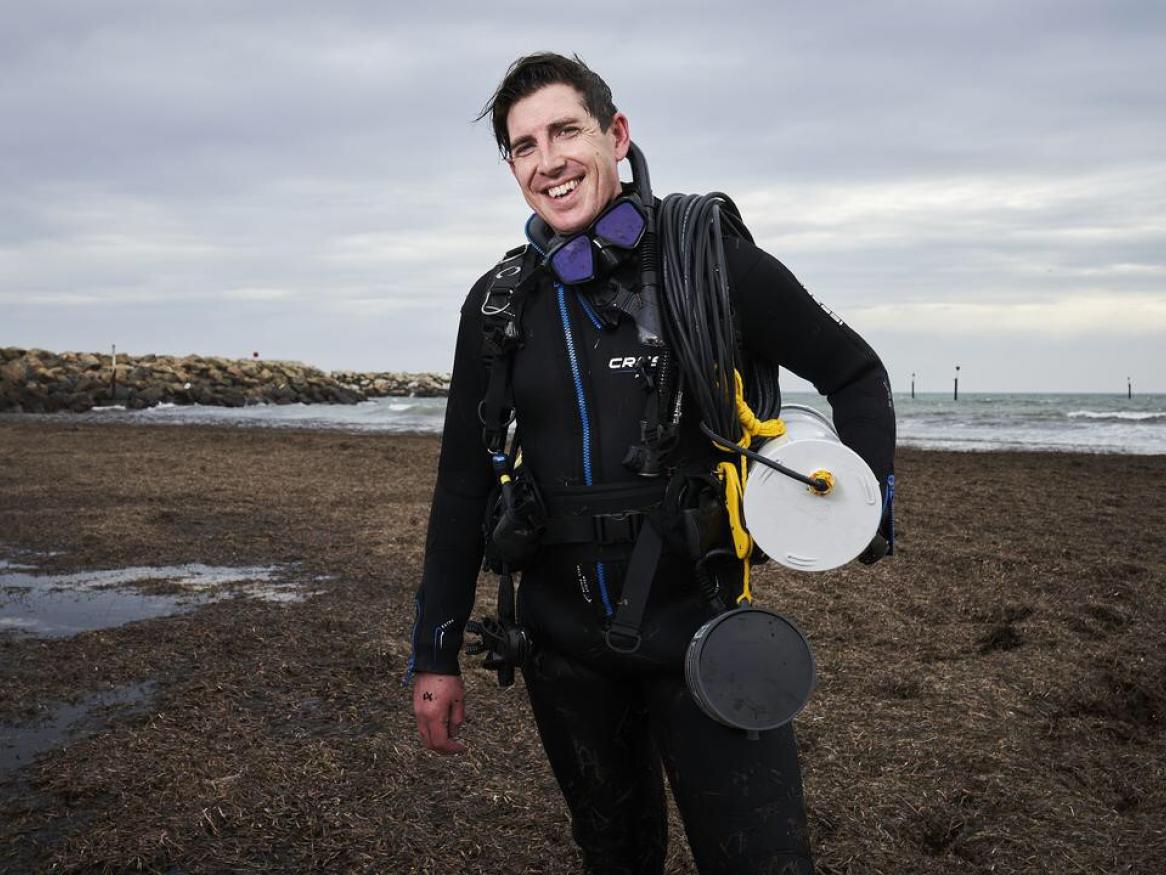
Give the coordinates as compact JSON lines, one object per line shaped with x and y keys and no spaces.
{"x":622,"y":133}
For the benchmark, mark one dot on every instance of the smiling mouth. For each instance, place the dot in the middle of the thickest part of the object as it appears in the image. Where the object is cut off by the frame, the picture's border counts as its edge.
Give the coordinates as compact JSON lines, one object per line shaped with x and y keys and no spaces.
{"x":560,"y":191}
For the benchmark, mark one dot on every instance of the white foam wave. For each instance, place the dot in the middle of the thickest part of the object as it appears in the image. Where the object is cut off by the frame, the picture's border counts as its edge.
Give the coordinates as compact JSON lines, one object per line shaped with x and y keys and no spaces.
{"x":1126,"y":415}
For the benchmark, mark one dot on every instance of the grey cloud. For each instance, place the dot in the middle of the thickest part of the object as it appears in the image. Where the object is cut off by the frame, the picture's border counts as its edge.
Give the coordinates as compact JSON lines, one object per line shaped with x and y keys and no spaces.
{"x":196,"y":176}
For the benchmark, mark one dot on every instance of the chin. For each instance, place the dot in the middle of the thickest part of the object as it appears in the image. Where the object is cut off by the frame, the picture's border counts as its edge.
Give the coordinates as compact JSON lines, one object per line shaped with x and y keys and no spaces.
{"x":556,"y":224}
{"x":573,"y":222}
{"x":565,"y":230}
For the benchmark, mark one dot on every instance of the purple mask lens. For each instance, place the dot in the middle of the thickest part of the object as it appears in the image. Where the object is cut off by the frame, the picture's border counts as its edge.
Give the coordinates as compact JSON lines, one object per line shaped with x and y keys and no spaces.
{"x":574,"y":262}
{"x":621,"y":226}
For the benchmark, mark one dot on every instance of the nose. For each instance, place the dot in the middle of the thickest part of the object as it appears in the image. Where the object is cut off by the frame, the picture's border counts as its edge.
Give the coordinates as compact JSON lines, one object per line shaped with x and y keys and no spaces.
{"x":550,"y":161}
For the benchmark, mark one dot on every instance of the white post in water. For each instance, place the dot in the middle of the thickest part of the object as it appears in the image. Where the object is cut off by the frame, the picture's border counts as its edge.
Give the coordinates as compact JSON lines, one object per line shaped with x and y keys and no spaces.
{"x":956,"y":393}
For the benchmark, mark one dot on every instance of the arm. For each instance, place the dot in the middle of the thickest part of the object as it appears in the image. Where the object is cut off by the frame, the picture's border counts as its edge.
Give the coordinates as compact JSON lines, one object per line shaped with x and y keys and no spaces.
{"x":782,"y":324}
{"x":453,"y":546}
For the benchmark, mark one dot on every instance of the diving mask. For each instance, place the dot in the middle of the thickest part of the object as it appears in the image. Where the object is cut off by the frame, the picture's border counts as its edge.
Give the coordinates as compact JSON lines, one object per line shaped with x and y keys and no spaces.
{"x":592,"y":253}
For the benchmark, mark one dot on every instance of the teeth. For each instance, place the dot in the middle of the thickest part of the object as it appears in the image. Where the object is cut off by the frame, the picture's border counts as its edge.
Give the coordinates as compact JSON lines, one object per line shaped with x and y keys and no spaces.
{"x":565,"y":188}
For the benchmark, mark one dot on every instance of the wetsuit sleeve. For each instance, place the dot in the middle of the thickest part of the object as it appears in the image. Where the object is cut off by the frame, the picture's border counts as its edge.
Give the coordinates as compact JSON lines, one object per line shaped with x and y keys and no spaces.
{"x":454,"y":544}
{"x":784,"y":325}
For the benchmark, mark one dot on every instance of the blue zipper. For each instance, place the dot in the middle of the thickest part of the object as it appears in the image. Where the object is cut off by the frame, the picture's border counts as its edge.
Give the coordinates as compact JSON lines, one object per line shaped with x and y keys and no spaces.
{"x":577,"y":377}
{"x":581,"y":403}
{"x":587,"y":309}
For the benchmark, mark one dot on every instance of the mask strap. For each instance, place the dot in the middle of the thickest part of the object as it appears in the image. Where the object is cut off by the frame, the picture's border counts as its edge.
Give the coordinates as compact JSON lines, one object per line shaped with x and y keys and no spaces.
{"x":540,"y":234}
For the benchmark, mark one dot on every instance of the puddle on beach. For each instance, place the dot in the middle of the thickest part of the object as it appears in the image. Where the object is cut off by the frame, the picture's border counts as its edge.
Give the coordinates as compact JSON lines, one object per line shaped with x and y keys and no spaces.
{"x":22,"y":743}
{"x":60,"y":605}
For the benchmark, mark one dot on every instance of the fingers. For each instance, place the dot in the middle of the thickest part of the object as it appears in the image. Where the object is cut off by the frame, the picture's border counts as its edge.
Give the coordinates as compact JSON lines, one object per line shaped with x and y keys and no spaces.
{"x":437,"y":736}
{"x":875,"y":551}
{"x":457,"y":716}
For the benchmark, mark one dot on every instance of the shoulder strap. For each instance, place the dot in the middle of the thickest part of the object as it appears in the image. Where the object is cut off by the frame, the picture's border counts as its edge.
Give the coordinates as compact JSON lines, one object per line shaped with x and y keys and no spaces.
{"x":501,"y":336}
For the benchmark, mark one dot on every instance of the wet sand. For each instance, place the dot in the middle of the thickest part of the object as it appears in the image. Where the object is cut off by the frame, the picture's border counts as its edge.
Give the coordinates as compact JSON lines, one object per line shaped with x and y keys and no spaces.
{"x":993,"y":699}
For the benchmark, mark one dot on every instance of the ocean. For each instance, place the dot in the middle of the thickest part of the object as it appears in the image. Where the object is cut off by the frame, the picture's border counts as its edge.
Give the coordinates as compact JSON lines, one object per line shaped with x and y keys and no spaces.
{"x":984,"y":421}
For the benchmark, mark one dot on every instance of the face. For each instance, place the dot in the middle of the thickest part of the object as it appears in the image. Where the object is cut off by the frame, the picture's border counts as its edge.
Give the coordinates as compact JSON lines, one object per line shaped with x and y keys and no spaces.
{"x":565,"y":165}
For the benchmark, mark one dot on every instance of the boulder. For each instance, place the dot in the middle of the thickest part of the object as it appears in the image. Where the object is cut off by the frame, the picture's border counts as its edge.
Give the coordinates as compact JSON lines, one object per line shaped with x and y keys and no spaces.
{"x":89,"y":382}
{"x":284,"y":395}
{"x":231,"y":397}
{"x":78,"y":402}
{"x":202,"y":393}
{"x":9,"y":398}
{"x":13,"y":371}
{"x":152,"y":394}
{"x":35,"y":390}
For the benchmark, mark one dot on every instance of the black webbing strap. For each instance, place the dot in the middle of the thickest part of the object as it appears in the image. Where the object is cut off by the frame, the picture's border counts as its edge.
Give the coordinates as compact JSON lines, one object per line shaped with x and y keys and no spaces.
{"x":497,"y":410}
{"x":601,"y":528}
{"x":501,"y":336}
{"x":623,"y":635}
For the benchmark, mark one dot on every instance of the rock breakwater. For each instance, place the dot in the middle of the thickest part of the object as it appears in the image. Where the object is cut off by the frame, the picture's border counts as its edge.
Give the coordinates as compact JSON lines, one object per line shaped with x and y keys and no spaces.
{"x":39,"y":381}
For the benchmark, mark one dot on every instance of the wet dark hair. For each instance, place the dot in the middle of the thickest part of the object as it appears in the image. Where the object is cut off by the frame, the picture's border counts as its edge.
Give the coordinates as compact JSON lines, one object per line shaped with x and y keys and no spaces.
{"x":530,"y":73}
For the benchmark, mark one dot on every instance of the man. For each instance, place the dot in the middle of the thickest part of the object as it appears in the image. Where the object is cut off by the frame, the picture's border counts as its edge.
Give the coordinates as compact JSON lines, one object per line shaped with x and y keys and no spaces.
{"x":613,"y":722}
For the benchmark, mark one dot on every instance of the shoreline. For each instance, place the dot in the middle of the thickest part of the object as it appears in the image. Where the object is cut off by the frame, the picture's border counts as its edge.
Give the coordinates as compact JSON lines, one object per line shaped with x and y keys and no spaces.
{"x":119,"y":417}
{"x":981,"y":696}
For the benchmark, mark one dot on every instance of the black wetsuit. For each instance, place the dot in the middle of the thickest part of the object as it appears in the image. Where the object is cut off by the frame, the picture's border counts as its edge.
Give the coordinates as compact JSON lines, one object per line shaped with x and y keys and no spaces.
{"x":608,"y":721}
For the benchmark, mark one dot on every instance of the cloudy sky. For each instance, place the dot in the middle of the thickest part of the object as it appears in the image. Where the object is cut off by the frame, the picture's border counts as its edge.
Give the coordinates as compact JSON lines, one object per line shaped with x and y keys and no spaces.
{"x":974,"y":183}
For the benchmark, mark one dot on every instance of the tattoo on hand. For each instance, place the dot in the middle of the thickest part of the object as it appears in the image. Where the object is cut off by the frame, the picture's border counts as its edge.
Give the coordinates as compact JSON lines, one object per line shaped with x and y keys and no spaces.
{"x":428,"y":697}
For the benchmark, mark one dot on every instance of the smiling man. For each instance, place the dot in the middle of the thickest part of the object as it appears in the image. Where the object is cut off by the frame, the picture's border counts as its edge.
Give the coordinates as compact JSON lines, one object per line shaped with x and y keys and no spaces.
{"x":556,"y":333}
{"x":564,"y":159}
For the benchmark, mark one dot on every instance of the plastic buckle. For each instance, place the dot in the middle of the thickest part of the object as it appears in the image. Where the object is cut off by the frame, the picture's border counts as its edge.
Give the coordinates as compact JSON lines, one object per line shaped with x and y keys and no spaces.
{"x":617,"y":528}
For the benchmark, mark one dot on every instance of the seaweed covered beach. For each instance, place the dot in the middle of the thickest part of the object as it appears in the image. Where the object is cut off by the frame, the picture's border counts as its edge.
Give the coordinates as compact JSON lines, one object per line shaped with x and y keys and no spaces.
{"x":993,"y":699}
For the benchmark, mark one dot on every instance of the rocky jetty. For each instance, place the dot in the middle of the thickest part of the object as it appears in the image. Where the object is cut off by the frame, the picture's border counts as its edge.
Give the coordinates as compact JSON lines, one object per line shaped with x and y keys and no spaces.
{"x":38,"y":381}
{"x":391,"y":384}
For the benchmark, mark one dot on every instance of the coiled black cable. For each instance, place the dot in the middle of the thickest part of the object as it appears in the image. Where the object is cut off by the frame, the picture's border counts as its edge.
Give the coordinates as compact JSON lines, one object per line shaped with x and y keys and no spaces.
{"x":697,"y":304}
{"x":701,"y":324}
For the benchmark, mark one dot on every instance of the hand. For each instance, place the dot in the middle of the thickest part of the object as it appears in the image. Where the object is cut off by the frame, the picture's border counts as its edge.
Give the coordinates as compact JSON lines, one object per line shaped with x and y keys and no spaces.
{"x":876,"y":550}
{"x":439,"y":706}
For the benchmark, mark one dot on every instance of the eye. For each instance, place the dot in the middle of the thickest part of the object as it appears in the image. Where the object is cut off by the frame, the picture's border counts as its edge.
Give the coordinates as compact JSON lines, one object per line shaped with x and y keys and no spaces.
{"x":569,"y":131}
{"x":522,"y":150}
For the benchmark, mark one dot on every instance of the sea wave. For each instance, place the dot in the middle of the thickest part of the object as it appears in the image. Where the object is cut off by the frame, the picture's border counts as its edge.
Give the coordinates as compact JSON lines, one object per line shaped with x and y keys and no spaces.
{"x":1120,"y":415}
